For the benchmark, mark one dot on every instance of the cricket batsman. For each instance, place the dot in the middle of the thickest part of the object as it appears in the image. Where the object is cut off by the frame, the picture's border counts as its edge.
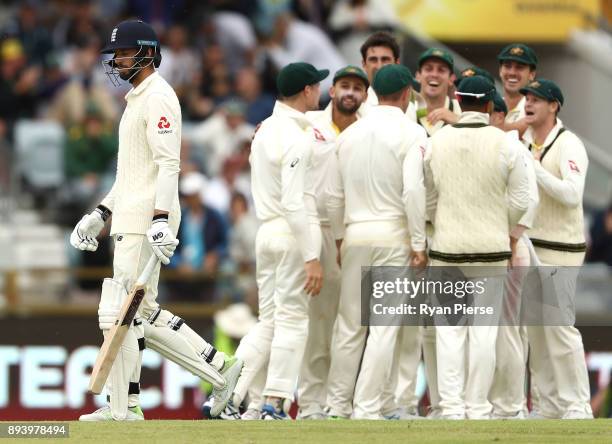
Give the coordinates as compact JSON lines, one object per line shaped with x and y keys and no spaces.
{"x":145,"y":210}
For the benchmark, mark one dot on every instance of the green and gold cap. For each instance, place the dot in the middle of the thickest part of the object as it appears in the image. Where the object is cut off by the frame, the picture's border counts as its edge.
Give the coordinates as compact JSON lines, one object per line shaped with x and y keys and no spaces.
{"x":352,"y":71}
{"x":519,"y":53}
{"x":474,"y":71}
{"x":546,"y":89}
{"x":437,"y":53}
{"x":391,"y":78}
{"x":477,"y":87}
{"x":294,"y":77}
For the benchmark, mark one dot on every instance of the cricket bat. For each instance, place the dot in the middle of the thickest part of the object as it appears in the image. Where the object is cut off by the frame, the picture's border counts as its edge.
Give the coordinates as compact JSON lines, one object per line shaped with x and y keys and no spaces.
{"x":114,"y":339}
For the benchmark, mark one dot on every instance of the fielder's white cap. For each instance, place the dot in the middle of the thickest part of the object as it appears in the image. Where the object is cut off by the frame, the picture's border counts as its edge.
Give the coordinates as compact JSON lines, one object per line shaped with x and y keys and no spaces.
{"x":192,"y":183}
{"x":236,"y":320}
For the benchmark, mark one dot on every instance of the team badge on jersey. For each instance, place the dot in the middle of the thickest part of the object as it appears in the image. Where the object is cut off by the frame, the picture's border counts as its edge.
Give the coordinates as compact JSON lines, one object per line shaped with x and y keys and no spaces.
{"x":573,"y":166}
{"x":318,"y":135}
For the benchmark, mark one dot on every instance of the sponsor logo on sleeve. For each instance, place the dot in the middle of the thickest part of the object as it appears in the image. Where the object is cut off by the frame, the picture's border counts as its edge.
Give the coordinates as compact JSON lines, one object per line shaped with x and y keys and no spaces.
{"x":318,"y":135}
{"x":163,"y":126}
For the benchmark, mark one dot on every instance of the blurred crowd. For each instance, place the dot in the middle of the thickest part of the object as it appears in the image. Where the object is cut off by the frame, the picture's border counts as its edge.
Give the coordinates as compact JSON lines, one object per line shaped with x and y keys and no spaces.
{"x":59,"y":113}
{"x":221,"y":56}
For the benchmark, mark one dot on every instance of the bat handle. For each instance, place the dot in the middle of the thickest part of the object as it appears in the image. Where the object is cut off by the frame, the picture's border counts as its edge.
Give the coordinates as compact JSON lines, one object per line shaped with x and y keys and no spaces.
{"x":148,"y":270}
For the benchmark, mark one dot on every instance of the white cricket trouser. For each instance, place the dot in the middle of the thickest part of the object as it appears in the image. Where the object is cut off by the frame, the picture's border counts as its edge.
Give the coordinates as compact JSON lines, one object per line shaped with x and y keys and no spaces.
{"x":557,"y":358}
{"x":279,"y":337}
{"x":312,"y":388}
{"x":461,"y":394}
{"x":507,"y":393}
{"x":401,"y":387}
{"x":132,"y":252}
{"x":366,"y":244}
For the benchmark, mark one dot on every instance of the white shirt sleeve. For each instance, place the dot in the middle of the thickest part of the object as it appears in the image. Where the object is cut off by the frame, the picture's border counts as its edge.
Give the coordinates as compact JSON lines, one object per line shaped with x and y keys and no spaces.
{"x":109,"y":199}
{"x":294,"y":164}
{"x":414,"y":195}
{"x":527,"y":220}
{"x":431,"y":197}
{"x":518,"y":183}
{"x":573,"y":164}
{"x":163,"y":131}
{"x":335,"y":198}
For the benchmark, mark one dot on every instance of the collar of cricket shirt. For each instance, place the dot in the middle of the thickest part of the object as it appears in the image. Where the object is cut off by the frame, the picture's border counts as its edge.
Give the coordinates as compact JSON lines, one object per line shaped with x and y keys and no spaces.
{"x":473,"y":117}
{"x":143,"y":85}
{"x":528,"y":136}
{"x":280,"y":109}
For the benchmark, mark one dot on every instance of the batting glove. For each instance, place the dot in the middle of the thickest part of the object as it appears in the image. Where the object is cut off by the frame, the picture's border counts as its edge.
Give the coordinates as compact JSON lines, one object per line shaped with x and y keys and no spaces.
{"x":162,"y":240}
{"x":84,"y":235}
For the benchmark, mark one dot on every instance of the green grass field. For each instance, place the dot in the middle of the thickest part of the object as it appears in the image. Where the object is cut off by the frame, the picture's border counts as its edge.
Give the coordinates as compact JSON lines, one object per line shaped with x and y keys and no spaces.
{"x":314,"y":432}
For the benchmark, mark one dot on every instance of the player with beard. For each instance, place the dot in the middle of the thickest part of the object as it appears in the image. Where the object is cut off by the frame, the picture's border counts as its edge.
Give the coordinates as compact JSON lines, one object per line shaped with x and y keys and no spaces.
{"x":145,"y":210}
{"x":348,"y":93}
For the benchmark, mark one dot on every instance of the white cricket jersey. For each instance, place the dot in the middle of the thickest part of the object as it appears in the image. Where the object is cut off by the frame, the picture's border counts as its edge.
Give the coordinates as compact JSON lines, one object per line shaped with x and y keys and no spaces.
{"x":281,"y":156}
{"x":377,"y":155}
{"x":148,"y":162}
{"x":561,"y":171}
{"x":324,"y":135}
{"x":516,"y":114}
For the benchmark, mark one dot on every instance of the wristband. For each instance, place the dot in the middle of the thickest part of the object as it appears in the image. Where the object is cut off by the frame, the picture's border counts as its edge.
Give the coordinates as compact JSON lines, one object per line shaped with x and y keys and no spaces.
{"x":163,"y":217}
{"x":105,"y":213}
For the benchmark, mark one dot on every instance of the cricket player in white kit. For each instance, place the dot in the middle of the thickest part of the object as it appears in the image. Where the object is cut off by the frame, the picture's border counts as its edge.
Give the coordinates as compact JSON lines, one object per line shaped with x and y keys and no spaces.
{"x":288,"y":242}
{"x":477,"y":192}
{"x":560,"y":160}
{"x":517,"y":67}
{"x":145,"y":213}
{"x":347,"y":94}
{"x":384,"y":220}
{"x":507,"y":394}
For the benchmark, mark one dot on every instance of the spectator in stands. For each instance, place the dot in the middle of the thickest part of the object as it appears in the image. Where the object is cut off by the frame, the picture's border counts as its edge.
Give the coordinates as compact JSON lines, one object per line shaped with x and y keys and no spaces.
{"x":219,"y":137}
{"x":352,"y":21}
{"x":600,"y":247}
{"x":242,"y":247}
{"x":203,"y":240}
{"x":79,"y":21}
{"x":84,"y":87}
{"x":27,"y":29}
{"x":259,"y":105}
{"x":18,"y":84}
{"x":235,"y":35}
{"x":180,"y":62}
{"x":220,"y":188}
{"x":286,"y":40}
{"x":211,"y":85}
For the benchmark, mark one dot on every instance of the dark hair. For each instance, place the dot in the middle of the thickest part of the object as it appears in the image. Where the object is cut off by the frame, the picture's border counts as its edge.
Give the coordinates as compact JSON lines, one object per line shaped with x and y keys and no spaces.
{"x":381,"y":39}
{"x":469,"y":103}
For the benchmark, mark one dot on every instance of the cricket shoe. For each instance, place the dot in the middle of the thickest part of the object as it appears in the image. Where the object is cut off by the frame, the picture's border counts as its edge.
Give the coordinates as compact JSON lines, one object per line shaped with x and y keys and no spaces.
{"x":268,"y":412}
{"x":317,"y":416}
{"x":232,"y":368}
{"x":104,"y":414}
{"x":435,"y":413}
{"x":519,"y":415}
{"x":577,"y":414}
{"x":456,"y":417}
{"x":403,"y":414}
{"x":251,"y":415}
{"x":229,"y":413}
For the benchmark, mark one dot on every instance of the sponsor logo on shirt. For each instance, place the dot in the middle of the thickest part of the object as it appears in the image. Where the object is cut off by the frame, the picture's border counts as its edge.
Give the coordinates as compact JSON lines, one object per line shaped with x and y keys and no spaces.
{"x":163,"y":123}
{"x":295,"y":162}
{"x":573,"y":166}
